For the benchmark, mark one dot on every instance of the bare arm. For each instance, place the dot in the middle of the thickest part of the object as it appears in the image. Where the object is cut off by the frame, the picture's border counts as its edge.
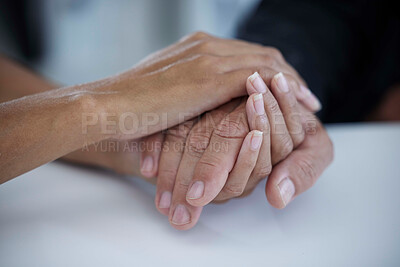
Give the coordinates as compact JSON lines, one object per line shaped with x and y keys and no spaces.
{"x":37,"y":128}
{"x":187,"y":78}
{"x":16,"y":81}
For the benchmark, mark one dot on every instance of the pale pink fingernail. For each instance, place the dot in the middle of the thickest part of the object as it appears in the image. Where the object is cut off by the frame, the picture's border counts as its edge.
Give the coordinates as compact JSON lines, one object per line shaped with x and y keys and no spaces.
{"x":259,"y":104}
{"x":311,"y":99}
{"x":287,"y":190}
{"x":147,"y":165}
{"x":196,"y":191}
{"x":181,"y":215}
{"x":258,"y":83}
{"x":282,"y":83}
{"x":165,"y":200}
{"x":256,"y":140}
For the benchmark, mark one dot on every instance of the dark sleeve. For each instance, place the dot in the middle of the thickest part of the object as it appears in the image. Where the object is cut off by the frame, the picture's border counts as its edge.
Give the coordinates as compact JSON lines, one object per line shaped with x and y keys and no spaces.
{"x":343,"y":49}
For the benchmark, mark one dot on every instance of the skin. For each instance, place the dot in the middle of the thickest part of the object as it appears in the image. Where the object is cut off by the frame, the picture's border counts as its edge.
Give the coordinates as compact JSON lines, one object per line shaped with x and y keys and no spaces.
{"x":227,"y":173}
{"x":213,"y":52}
{"x":45,"y":126}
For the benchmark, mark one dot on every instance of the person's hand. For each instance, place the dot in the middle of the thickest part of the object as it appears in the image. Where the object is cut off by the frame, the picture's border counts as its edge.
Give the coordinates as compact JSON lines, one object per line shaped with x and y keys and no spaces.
{"x":301,"y":169}
{"x":212,"y":52}
{"x":269,"y":60}
{"x":195,"y":75}
{"x":215,"y":156}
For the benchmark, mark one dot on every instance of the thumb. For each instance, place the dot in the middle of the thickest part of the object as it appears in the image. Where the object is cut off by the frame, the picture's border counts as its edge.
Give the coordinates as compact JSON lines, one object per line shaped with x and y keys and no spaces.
{"x":301,"y":169}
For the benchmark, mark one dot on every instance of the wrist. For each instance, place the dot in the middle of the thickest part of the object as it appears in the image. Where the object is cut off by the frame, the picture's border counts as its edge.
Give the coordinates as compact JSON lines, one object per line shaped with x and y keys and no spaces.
{"x":90,"y":104}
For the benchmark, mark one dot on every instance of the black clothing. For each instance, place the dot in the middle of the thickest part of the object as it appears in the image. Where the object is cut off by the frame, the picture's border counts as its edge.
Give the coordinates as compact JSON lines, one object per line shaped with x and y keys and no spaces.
{"x":347,"y":51}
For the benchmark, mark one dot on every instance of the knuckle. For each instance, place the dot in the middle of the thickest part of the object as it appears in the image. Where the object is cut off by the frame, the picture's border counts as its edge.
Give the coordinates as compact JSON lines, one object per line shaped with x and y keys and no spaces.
{"x":274,"y":52}
{"x":205,"y":46}
{"x":197,"y":143}
{"x":306,"y":171}
{"x":232,"y":127}
{"x":272,"y":105}
{"x":263,"y":171}
{"x":298,"y":137}
{"x":266,"y":71}
{"x":286,"y":146}
{"x":181,"y":185}
{"x":180,"y":131}
{"x":167,"y":174}
{"x":209,"y":160}
{"x":233,"y":190}
{"x":270,"y":61}
{"x":198,"y":35}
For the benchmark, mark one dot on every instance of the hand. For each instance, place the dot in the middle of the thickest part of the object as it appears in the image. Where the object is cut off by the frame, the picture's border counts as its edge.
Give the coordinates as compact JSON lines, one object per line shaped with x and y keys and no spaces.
{"x":270,"y":61}
{"x":193,"y":76}
{"x":301,"y":169}
{"x":197,"y":74}
{"x":226,"y":127}
{"x":204,"y":48}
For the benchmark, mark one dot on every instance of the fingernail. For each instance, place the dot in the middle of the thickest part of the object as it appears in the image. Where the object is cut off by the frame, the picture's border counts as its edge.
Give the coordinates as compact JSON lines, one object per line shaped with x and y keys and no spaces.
{"x":259,"y":104}
{"x":181,"y":215}
{"x":286,"y":189}
{"x":147,"y":164}
{"x":311,"y":98}
{"x":256,"y":140}
{"x":258,"y":83}
{"x":165,"y":200}
{"x":282,"y":83}
{"x":196,"y":191}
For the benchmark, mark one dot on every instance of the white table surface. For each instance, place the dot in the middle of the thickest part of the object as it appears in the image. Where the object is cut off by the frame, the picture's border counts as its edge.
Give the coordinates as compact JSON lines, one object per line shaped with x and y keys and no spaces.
{"x":62,"y":215}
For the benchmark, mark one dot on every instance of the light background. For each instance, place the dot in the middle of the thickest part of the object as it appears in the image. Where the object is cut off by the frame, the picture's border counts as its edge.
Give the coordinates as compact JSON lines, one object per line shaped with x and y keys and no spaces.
{"x":87,"y":40}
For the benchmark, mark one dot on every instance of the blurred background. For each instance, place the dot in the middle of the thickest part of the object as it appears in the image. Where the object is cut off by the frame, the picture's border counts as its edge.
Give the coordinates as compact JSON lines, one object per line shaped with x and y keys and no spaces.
{"x":75,"y":41}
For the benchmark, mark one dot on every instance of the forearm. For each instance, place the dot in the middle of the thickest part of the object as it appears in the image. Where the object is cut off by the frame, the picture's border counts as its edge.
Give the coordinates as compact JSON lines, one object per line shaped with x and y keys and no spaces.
{"x":159,"y":93}
{"x":40,"y":128}
{"x":16,"y":81}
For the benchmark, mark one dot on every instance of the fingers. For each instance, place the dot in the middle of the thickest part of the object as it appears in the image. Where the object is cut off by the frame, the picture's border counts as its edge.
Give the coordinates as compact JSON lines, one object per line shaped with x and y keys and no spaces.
{"x":289,"y":106}
{"x":244,"y":165}
{"x":308,"y":99}
{"x":150,"y":154}
{"x":300,"y":170}
{"x":237,"y":80}
{"x":182,"y":215}
{"x":244,"y":61}
{"x":171,"y":155}
{"x":281,"y":141}
{"x":247,"y":159}
{"x":212,"y":170}
{"x":229,"y":55}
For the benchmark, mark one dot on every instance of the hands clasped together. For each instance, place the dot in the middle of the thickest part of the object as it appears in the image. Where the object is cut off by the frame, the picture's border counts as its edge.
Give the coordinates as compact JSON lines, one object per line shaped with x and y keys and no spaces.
{"x":216,"y":116}
{"x":227,"y":151}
